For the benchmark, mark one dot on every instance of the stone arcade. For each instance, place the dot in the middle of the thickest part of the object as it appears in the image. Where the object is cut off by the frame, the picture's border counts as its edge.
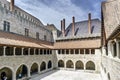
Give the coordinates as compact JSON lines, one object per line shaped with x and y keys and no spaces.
{"x":27,"y":47}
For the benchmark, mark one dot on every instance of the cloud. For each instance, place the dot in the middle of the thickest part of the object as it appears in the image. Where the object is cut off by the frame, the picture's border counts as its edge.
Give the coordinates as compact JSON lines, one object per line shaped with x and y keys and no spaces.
{"x":52,"y":11}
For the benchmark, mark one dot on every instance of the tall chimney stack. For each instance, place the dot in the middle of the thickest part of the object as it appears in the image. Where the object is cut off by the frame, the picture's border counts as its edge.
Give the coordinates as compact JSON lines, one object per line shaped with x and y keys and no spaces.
{"x":73,"y":25}
{"x":11,"y":5}
{"x":89,"y":23}
{"x":63,"y":27}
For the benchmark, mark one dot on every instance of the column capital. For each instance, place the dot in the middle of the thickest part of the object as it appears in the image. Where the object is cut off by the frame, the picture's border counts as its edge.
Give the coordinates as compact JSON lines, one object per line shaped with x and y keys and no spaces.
{"x":4,"y":46}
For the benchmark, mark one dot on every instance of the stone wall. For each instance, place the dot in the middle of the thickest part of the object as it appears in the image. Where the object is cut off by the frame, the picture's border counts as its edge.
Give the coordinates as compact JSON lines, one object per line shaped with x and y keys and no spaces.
{"x":110,"y":68}
{"x":111,"y":15}
{"x":19,"y":20}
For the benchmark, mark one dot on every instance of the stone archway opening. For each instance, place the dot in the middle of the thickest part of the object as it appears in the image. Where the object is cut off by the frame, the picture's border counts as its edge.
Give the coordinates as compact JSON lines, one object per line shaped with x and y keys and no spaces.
{"x":22,"y":72}
{"x":79,"y":65}
{"x":69,"y":64}
{"x":6,"y":73}
{"x":49,"y":65}
{"x":43,"y":66}
{"x":34,"y":69}
{"x":60,"y":63}
{"x":90,"y":65}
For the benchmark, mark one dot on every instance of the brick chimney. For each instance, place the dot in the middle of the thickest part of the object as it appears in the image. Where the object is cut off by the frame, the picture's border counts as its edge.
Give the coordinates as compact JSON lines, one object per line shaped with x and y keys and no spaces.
{"x":89,"y":23}
{"x":73,"y":25}
{"x":11,"y":5}
{"x":62,"y":27}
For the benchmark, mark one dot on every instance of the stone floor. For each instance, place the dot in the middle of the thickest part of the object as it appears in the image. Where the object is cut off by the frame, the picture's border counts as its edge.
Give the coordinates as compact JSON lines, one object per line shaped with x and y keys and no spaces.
{"x":67,"y":75}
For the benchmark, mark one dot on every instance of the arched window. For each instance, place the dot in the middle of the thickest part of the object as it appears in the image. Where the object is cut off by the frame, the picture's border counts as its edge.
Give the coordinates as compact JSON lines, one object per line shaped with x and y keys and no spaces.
{"x":79,"y":65}
{"x":49,"y":64}
{"x":69,"y":64}
{"x":43,"y":66}
{"x":60,"y":63}
{"x":6,"y":72}
{"x":22,"y":71}
{"x":34,"y":69}
{"x":90,"y":65}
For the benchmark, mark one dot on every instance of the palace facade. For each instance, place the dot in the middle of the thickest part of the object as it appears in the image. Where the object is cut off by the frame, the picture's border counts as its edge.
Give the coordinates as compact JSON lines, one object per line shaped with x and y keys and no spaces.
{"x":28,"y":47}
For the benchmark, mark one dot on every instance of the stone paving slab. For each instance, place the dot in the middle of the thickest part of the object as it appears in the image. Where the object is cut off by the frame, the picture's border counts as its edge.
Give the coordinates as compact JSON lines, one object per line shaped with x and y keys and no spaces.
{"x":67,"y":75}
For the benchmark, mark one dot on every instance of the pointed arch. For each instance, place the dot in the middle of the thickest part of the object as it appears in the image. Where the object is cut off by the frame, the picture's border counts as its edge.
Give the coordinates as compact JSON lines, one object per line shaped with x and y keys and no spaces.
{"x":34,"y":69}
{"x":43,"y":66}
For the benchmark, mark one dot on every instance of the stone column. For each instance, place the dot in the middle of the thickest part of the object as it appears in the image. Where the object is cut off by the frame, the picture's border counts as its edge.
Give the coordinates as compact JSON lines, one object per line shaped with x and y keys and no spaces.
{"x":38,"y":69}
{"x":69,"y":51}
{"x":110,"y":49}
{"x":79,"y":51}
{"x":84,"y":53}
{"x":28,"y":51}
{"x":90,"y":51}
{"x":14,"y":75}
{"x":73,"y":51}
{"x":22,"y":51}
{"x":14,"y":51}
{"x":4,"y":50}
{"x":29,"y":73}
{"x":117,"y":49}
{"x":65,"y":64}
{"x":65,"y":51}
{"x":60,"y":51}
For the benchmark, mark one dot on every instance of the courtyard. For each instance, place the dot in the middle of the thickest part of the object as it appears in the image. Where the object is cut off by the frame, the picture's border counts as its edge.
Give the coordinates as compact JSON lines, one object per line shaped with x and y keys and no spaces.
{"x":67,"y":75}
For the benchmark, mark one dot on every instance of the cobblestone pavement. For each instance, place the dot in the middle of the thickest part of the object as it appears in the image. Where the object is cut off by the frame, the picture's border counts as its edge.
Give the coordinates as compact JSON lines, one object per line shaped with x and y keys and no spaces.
{"x":67,"y":75}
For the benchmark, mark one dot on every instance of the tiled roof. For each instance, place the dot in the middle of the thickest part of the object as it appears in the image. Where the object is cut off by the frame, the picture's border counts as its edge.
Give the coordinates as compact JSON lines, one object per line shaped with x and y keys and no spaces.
{"x":96,"y":43}
{"x":11,"y":39}
{"x":81,"y":28}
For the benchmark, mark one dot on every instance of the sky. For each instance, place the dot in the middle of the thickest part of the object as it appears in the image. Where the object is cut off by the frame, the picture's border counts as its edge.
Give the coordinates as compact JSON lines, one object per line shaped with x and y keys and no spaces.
{"x":53,"y":11}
